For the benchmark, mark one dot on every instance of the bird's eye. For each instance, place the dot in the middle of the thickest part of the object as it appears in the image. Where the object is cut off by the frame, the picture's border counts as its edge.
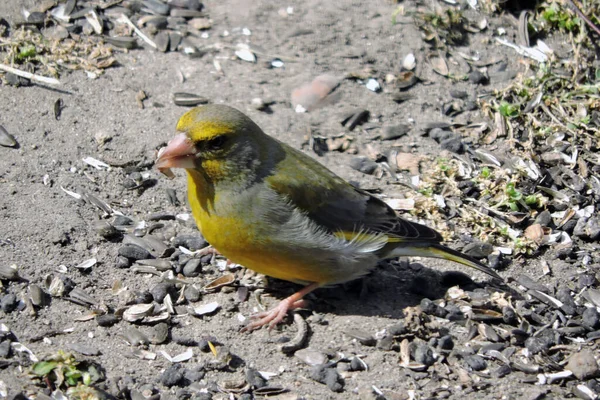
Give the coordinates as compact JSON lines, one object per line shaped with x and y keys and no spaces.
{"x":216,"y":143}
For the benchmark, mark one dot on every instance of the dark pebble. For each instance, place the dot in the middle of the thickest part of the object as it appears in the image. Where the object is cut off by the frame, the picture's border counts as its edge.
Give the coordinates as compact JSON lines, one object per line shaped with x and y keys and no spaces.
{"x":5,"y":349}
{"x":397,"y":329}
{"x":478,"y":249}
{"x":363,"y":164}
{"x":254,"y":379}
{"x":190,"y":242}
{"x":191,"y":294}
{"x":569,"y":227}
{"x":395,"y":132}
{"x":564,"y":295}
{"x":477,"y":78}
{"x":496,"y":261}
{"x":172,"y":377}
{"x":536,"y":345}
{"x":424,"y":355}
{"x":107,"y":320}
{"x":429,"y":307}
{"x":356,"y":364}
{"x":144,"y":297}
{"x":458,"y":94}
{"x":586,"y":280}
{"x":328,"y":376}
{"x":446,"y":342}
{"x":122,"y":220}
{"x":160,"y":291}
{"x":203,"y":343}
{"x":501,"y":371}
{"x":590,"y":319}
{"x":475,"y":362}
{"x":544,"y":218}
{"x":134,"y":252}
{"x":194,"y":375}
{"x":122,"y":262}
{"x":509,"y":316}
{"x":440,"y":135}
{"x":454,"y":313}
{"x":9,"y":303}
{"x":518,"y":337}
{"x":192,"y":268}
{"x":455,"y":145}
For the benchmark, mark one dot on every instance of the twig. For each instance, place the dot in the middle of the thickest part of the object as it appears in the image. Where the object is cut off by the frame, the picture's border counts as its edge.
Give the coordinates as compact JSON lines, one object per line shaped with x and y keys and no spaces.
{"x":125,"y":19}
{"x":584,"y":17}
{"x":29,"y":75}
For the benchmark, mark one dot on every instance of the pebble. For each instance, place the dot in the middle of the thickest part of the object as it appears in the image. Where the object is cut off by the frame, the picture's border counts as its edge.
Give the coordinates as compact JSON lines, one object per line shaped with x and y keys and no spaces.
{"x":397,"y":329}
{"x":395,"y":132}
{"x":476,"y":362}
{"x":192,"y":268}
{"x":122,"y":262}
{"x":160,"y":291}
{"x":583,"y":364}
{"x":9,"y":303}
{"x":429,"y":307}
{"x":107,"y":320}
{"x":478,"y":250}
{"x":134,"y":252}
{"x":191,"y":294}
{"x":501,"y":371}
{"x":509,"y":315}
{"x":5,"y":349}
{"x":363,"y":164}
{"x":590,"y":319}
{"x":455,"y":145}
{"x":363,"y":337}
{"x":445,"y":342}
{"x":328,"y":376}
{"x":424,"y":355}
{"x":190,"y":242}
{"x":172,"y":377}
{"x":255,"y":379}
{"x":477,"y":77}
{"x":194,"y":375}
{"x":311,"y":356}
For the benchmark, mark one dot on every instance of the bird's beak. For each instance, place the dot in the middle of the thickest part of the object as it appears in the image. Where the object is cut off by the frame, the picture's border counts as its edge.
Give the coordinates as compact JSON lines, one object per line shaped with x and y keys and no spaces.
{"x":179,"y":153}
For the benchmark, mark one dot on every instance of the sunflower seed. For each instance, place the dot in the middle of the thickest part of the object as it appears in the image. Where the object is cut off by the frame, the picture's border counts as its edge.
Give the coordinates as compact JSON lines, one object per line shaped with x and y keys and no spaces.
{"x":188,"y":99}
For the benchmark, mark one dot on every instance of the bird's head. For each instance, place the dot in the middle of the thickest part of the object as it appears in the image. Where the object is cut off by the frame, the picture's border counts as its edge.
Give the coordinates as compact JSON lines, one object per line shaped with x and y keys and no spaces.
{"x":216,"y":140}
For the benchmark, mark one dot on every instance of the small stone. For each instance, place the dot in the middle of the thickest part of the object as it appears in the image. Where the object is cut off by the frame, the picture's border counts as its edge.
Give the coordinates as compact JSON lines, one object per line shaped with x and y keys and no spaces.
{"x":509,"y":315}
{"x":395,"y":132}
{"x":478,"y":250}
{"x":160,"y":291}
{"x":9,"y":303}
{"x":536,"y":345}
{"x":590,"y":319}
{"x":106,"y":320}
{"x":195,"y":374}
{"x":475,"y":362}
{"x":454,"y":145}
{"x":458,"y":94}
{"x":501,"y":371}
{"x":192,"y":268}
{"x":386,"y":343}
{"x":583,"y":364}
{"x":397,"y":329}
{"x":122,"y":262}
{"x":122,"y":220}
{"x":429,"y":307}
{"x":190,"y":242}
{"x":328,"y":376}
{"x":172,"y":377}
{"x":544,"y":218}
{"x":364,"y":165}
{"x":255,"y":379}
{"x":134,"y":252}
{"x":424,"y":355}
{"x":5,"y":349}
{"x":445,"y":342}
{"x":477,"y":77}
{"x":363,"y":337}
{"x":191,"y":294}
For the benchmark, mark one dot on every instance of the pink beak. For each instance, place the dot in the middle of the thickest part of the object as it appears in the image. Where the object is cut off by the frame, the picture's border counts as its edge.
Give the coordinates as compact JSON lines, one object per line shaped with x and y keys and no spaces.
{"x":179,"y":153}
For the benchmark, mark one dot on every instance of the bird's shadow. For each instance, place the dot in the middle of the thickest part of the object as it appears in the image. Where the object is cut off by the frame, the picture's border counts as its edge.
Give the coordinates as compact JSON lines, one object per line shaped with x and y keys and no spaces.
{"x":387,"y":291}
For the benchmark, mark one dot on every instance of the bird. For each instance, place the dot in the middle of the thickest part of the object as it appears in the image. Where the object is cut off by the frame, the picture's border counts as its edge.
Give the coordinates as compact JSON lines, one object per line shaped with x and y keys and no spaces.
{"x":276,"y":210}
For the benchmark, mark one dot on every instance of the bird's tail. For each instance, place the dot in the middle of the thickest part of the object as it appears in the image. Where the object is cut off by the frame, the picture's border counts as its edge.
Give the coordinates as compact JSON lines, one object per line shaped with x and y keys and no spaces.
{"x":436,"y":250}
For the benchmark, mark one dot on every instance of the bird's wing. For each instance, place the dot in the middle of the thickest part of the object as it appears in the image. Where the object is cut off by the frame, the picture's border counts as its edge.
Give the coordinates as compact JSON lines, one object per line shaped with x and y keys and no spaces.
{"x":338,"y":206}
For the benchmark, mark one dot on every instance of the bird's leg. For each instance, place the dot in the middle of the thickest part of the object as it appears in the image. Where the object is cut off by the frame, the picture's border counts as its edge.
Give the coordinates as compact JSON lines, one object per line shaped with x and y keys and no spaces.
{"x":276,"y":314}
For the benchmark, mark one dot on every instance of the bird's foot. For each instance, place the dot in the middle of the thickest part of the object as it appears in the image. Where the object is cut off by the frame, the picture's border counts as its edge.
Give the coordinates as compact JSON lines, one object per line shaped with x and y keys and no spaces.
{"x":276,"y":314}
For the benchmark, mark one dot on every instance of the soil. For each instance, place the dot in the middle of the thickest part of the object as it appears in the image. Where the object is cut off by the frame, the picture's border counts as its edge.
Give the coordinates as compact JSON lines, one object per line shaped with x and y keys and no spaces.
{"x":43,"y":229}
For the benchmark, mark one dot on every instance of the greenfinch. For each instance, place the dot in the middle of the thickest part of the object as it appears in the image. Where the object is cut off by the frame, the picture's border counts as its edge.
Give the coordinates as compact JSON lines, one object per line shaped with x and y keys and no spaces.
{"x":277,"y":211}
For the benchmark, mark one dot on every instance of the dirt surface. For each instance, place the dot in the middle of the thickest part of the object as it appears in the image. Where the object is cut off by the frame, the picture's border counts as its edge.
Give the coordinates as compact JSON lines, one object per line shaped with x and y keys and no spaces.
{"x":47,"y":233}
